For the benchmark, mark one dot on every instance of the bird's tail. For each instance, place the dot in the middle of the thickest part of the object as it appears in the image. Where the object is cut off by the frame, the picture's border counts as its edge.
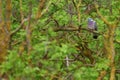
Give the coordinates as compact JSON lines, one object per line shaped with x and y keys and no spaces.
{"x":95,"y":36}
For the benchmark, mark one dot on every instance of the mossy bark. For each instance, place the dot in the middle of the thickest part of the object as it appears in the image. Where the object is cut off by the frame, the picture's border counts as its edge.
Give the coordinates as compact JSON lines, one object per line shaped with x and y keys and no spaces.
{"x":109,"y":49}
{"x":4,"y":29}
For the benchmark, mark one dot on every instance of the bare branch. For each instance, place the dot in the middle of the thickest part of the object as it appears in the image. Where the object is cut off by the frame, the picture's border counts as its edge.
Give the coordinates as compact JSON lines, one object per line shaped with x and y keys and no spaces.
{"x":77,"y":9}
{"x":29,"y":29}
{"x":67,"y":61}
{"x":42,"y":11}
{"x":118,"y":71}
{"x":118,"y":42}
{"x":17,"y":29}
{"x":21,"y":11}
{"x":101,"y":16}
{"x":41,"y":6}
{"x":76,"y":29}
{"x":102,"y":75}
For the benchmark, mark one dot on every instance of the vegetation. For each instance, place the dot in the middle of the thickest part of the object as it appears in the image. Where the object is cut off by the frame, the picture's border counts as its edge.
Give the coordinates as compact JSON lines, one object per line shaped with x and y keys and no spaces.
{"x":50,"y":40}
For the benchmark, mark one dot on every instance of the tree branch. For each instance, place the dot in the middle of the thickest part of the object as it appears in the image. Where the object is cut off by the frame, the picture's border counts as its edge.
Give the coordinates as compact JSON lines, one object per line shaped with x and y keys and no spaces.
{"x":118,"y":42}
{"x":76,"y":29}
{"x":17,"y":29}
{"x":102,"y":75}
{"x":101,"y":16}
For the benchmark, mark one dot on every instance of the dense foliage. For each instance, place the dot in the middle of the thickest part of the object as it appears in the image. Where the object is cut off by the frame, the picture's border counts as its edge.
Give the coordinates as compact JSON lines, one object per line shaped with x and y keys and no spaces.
{"x":49,"y":40}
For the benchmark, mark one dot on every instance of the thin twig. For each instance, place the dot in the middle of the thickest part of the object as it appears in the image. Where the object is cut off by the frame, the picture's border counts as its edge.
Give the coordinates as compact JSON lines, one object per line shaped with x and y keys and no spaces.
{"x":28,"y":29}
{"x":21,"y":11}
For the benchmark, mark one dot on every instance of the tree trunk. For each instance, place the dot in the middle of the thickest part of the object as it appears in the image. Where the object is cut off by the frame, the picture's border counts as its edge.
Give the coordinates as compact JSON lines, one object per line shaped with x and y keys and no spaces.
{"x":109,"y":49}
{"x":4,"y":30}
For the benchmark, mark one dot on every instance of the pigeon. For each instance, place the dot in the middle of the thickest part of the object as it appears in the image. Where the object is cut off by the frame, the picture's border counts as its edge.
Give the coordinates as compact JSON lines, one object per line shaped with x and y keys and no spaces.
{"x":92,"y":25}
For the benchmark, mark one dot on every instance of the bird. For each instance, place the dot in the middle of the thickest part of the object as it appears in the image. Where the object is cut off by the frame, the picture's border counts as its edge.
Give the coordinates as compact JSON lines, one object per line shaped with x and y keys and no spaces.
{"x":92,"y":25}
